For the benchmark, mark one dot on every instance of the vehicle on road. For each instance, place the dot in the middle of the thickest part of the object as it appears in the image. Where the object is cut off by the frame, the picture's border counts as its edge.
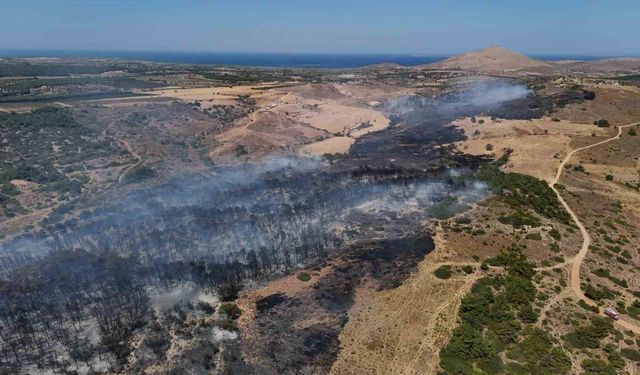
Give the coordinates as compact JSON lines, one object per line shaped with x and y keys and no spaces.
{"x":611,"y":313}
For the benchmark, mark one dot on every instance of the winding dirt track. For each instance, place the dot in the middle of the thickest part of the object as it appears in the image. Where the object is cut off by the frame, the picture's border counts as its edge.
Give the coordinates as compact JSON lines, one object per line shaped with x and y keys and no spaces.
{"x":576,"y":262}
{"x":125,"y":145}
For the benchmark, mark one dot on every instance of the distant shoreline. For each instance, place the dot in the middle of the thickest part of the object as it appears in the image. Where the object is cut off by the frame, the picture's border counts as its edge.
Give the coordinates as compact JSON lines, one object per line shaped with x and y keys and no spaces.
{"x":255,"y":59}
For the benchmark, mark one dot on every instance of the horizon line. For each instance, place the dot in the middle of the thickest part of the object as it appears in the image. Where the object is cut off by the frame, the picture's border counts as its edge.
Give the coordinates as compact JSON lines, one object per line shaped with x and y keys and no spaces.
{"x":325,"y":53}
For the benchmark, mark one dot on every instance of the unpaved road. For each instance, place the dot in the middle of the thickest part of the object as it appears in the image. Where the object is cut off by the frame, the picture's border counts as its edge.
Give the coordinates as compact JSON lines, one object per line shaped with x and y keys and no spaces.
{"x":576,"y":262}
{"x":125,"y":145}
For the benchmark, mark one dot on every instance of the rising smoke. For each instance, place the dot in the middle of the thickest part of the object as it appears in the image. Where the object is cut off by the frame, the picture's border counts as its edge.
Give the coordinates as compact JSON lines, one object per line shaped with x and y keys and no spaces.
{"x":162,"y":246}
{"x":480,"y":96}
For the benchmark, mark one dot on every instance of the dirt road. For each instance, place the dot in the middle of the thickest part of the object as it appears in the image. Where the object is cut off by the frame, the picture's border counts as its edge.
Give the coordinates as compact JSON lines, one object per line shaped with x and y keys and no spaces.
{"x":125,"y":145}
{"x":576,"y":262}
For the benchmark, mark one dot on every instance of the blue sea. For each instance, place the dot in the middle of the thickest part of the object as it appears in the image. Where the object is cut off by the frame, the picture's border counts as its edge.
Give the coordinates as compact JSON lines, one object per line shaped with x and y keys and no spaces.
{"x":277,"y":60}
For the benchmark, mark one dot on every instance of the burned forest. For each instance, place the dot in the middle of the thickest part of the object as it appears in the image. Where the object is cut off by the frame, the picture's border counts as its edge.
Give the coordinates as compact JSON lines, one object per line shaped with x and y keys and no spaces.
{"x":98,"y":286}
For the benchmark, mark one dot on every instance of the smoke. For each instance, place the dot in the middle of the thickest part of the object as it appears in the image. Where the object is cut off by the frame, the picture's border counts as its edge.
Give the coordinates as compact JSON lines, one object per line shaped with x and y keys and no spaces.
{"x":289,"y":209}
{"x":163,"y":300}
{"x":150,"y":203}
{"x":493,"y":93}
{"x":477,"y":96}
{"x":222,"y":335}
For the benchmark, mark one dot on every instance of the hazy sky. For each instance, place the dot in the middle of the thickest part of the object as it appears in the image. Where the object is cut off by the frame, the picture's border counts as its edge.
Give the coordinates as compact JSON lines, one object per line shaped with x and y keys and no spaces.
{"x":585,"y":27}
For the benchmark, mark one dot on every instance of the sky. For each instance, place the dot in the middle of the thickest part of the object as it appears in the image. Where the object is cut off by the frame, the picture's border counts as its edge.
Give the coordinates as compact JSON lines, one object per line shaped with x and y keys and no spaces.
{"x":542,"y":27}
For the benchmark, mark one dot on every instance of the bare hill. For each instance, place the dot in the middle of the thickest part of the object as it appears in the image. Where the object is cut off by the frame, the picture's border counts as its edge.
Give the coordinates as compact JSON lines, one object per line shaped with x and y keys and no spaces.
{"x":604,"y":66}
{"x":492,"y":59}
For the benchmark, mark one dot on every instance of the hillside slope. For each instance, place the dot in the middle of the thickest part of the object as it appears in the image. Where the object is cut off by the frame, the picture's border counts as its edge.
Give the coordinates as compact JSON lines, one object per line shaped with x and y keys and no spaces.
{"x":492,"y":59}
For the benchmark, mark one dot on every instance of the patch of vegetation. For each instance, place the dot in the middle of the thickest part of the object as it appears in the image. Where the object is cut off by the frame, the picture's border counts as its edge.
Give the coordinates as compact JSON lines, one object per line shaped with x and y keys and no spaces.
{"x":630,"y":354}
{"x":66,"y":88}
{"x":35,"y":144}
{"x":606,"y":274}
{"x":590,"y":336}
{"x":534,"y":351}
{"x":447,"y":208}
{"x":139,"y":174}
{"x":443,"y":272}
{"x":597,"y":367}
{"x":601,"y":123}
{"x":519,"y":219}
{"x":555,"y":234}
{"x":523,"y":192}
{"x":598,"y":294}
{"x":588,"y":307}
{"x":534,"y":236}
{"x":241,"y":150}
{"x":303,"y":276}
{"x":463,"y":220}
{"x":25,"y":68}
{"x":230,"y":310}
{"x":491,"y":322}
{"x":634,"y":309}
{"x":579,"y":168}
{"x":228,"y":292}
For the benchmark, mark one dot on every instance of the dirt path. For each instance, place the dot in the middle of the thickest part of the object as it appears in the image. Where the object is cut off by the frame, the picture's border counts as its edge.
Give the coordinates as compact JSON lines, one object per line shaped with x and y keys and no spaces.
{"x":123,"y":144}
{"x":127,"y":146}
{"x":576,"y":262}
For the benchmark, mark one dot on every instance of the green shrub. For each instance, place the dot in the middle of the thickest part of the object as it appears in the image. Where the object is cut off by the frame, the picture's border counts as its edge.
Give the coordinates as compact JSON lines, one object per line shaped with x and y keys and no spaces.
{"x":468,"y":269}
{"x":519,"y":219}
{"x":228,"y":291}
{"x":524,"y":192}
{"x":443,"y":272}
{"x":613,"y":356}
{"x":241,"y":150}
{"x":609,"y":177}
{"x":630,"y":354}
{"x":605,"y":273}
{"x":139,"y":174}
{"x":230,"y":310}
{"x":555,"y":234}
{"x":590,"y":336}
{"x":534,"y":236}
{"x":463,"y":220}
{"x":303,"y":276}
{"x":227,"y":325}
{"x":598,"y":294}
{"x":588,"y":307}
{"x":597,"y":367}
{"x":579,"y":168}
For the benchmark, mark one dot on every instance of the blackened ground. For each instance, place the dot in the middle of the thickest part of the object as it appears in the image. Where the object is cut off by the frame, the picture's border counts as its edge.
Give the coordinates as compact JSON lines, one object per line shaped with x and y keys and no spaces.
{"x":414,"y":142}
{"x":416,"y":138}
{"x":285,"y":348}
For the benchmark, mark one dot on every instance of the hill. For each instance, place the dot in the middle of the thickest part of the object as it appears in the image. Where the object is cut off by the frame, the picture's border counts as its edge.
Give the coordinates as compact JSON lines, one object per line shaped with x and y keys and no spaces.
{"x":492,"y":59}
{"x":604,"y":66}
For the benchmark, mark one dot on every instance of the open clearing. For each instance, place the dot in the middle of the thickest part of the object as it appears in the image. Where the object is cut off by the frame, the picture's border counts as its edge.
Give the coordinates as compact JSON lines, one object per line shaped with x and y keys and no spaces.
{"x":538,"y":146}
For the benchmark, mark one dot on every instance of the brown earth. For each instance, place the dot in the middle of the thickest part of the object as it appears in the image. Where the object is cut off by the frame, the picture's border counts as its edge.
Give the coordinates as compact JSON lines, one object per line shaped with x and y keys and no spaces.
{"x":617,"y":104}
{"x":538,"y":145}
{"x":400,"y":331}
{"x":492,"y":59}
